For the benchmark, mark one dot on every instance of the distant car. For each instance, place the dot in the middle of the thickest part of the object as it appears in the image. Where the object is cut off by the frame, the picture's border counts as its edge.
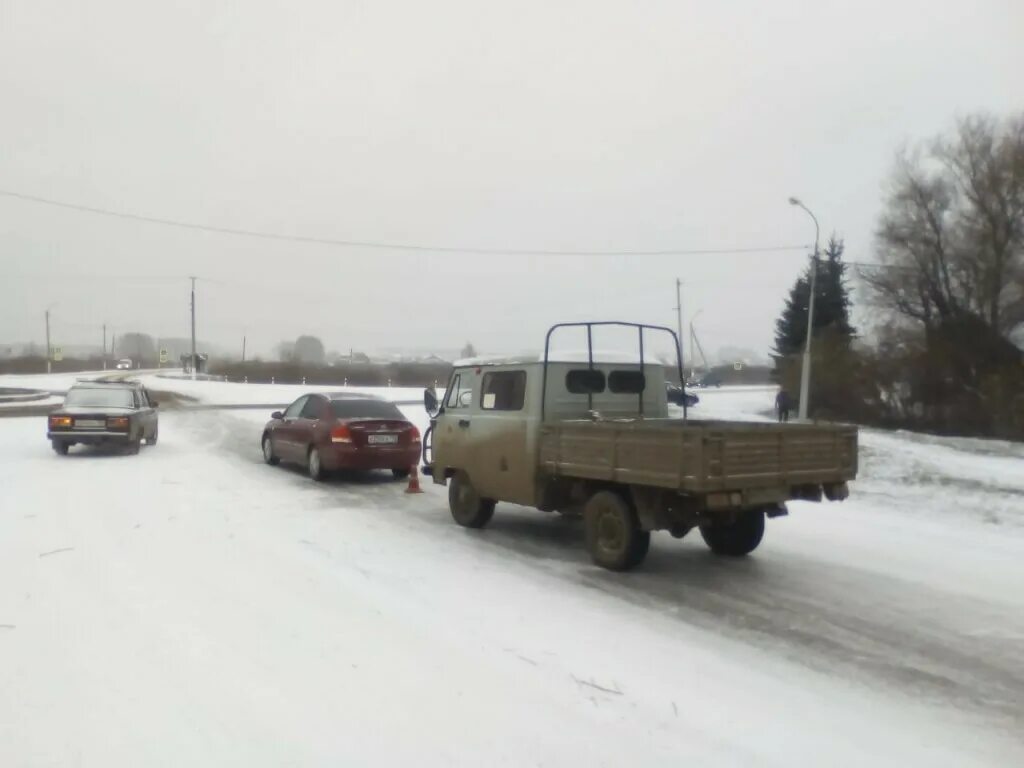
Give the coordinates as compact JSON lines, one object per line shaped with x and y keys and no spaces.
{"x":117,"y":413}
{"x":680,"y":396}
{"x":327,"y":432}
{"x":124,"y":364}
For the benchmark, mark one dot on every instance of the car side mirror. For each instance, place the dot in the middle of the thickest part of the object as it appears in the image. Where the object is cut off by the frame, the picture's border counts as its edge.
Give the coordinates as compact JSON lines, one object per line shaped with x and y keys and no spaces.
{"x":277,"y":415}
{"x":430,"y":401}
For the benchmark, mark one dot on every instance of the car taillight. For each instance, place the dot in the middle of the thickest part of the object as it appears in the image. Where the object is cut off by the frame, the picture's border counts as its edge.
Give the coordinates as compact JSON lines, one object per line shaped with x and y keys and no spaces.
{"x":341,"y":434}
{"x":60,"y":421}
{"x":117,"y":422}
{"x":414,"y":435}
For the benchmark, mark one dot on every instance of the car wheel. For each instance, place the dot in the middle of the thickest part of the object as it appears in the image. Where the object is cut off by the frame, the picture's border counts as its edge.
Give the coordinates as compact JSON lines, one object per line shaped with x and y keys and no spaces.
{"x":60,"y":447}
{"x":315,"y":465}
{"x":268,"y":452}
{"x":152,"y":438}
{"x":613,"y":534}
{"x":135,"y":444}
{"x":467,"y":508}
{"x":400,"y":474}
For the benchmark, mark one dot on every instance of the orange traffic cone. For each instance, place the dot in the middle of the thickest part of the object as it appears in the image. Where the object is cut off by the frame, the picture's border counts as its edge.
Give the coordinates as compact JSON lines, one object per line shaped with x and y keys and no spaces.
{"x":414,"y":480}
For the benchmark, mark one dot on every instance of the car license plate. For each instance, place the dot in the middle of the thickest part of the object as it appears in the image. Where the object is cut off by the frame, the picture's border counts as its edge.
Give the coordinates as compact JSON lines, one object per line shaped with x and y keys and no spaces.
{"x":382,"y":439}
{"x":90,"y":423}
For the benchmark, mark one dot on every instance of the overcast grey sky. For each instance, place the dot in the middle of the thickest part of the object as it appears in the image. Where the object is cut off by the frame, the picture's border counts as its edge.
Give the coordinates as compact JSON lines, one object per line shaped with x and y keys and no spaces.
{"x":545,"y":125}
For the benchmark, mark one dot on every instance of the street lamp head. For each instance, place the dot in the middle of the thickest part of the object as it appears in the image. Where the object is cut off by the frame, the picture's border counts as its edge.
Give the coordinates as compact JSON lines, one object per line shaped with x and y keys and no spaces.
{"x":794,"y":201}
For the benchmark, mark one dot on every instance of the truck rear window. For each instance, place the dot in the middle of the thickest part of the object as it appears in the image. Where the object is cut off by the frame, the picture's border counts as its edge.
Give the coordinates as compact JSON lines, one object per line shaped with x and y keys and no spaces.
{"x":627,"y":382}
{"x":503,"y":391}
{"x":584,"y":381}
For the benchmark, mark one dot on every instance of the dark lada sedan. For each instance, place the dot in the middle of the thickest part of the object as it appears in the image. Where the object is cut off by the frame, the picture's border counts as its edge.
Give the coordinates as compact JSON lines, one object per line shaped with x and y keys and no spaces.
{"x":325,"y":432}
{"x":104,"y":413}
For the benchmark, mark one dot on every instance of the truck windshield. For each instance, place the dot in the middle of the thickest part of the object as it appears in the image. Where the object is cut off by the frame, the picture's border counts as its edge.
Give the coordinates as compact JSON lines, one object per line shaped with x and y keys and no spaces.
{"x":100,"y":398}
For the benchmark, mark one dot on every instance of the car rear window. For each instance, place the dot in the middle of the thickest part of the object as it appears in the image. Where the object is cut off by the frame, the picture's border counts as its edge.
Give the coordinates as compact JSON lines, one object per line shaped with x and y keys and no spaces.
{"x":365,"y":409}
{"x":100,"y":398}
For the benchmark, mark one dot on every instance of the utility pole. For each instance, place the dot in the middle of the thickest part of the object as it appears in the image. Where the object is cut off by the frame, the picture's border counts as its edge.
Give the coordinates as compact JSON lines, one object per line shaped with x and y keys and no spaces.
{"x":679,"y":324}
{"x":243,"y":347}
{"x":805,"y":369}
{"x":104,"y":346}
{"x":48,"y":354}
{"x":193,"y":327}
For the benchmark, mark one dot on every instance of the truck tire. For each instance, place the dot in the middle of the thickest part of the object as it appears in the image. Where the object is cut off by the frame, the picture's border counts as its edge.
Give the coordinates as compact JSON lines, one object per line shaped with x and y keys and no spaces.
{"x":737,"y":538}
{"x":60,"y":447}
{"x":614,"y":538}
{"x":468,"y":509}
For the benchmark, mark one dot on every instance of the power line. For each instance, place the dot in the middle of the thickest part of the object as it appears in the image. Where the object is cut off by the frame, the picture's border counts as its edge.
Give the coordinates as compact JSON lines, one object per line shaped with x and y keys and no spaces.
{"x":386,"y":245}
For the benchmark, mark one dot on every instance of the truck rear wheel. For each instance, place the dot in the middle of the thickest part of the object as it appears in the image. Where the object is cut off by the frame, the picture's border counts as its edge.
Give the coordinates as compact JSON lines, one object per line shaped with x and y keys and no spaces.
{"x":466,"y":505}
{"x":737,"y":538}
{"x":614,"y":538}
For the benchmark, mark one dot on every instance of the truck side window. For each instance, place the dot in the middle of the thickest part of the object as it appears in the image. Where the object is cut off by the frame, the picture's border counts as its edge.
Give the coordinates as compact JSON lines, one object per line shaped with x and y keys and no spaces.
{"x":627,"y":382}
{"x":455,"y":393}
{"x":503,"y":391}
{"x":584,"y":381}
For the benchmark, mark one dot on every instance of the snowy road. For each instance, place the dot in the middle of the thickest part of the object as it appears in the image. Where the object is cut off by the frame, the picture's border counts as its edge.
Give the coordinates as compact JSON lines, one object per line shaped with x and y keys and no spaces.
{"x":191,"y":606}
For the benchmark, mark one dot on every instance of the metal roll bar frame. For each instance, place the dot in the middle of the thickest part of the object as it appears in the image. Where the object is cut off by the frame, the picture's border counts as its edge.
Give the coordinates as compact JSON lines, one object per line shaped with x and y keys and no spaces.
{"x":590,"y":356}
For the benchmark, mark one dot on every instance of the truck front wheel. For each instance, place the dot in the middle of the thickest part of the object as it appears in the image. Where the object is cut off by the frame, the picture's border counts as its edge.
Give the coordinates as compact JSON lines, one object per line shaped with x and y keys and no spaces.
{"x":737,"y":538}
{"x":468,"y":509}
{"x":614,"y":538}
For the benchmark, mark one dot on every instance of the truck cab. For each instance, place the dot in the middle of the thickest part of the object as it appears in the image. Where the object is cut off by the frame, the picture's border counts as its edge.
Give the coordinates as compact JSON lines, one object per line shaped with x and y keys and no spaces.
{"x":489,"y":422}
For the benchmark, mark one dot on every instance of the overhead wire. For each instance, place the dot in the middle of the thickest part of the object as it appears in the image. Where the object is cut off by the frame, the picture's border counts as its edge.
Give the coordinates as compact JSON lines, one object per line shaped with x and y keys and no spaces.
{"x":381,"y":245}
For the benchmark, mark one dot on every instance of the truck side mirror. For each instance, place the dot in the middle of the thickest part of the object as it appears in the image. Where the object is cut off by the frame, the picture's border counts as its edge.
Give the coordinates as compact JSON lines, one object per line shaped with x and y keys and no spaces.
{"x":430,"y":401}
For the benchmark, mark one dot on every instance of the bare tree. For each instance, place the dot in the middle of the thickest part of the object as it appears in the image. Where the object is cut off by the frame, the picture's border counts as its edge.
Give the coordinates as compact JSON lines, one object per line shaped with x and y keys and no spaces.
{"x":285,"y":351}
{"x":309,"y":349}
{"x":951,"y":244}
{"x":951,"y":237}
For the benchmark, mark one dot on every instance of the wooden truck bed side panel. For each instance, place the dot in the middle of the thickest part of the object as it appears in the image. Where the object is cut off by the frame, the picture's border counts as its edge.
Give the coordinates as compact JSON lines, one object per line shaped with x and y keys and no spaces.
{"x":699,"y":457}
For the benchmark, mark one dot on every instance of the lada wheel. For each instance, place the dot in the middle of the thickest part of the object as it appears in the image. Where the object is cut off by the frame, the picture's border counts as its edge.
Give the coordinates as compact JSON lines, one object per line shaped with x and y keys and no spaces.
{"x":468,"y":509}
{"x":614,"y":538}
{"x":736,"y":538}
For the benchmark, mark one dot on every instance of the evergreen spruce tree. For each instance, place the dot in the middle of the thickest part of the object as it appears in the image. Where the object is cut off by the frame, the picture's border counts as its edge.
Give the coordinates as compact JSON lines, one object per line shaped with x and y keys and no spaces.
{"x":831,"y":304}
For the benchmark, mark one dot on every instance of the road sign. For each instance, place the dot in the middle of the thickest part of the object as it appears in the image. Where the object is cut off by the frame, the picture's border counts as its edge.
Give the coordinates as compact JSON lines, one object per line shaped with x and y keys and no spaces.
{"x":164,"y":356}
{"x":58,"y":354}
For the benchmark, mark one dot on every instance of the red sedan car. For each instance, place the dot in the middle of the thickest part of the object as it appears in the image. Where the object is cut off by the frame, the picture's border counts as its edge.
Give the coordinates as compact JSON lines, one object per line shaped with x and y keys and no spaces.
{"x":325,"y":432}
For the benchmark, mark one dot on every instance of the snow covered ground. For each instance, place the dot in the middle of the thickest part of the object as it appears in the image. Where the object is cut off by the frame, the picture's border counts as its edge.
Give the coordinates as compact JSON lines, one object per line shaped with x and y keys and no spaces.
{"x":192,"y":606}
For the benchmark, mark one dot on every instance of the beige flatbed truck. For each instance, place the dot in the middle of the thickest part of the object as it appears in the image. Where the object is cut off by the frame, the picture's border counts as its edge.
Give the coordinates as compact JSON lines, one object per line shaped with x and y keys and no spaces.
{"x":591,"y":434}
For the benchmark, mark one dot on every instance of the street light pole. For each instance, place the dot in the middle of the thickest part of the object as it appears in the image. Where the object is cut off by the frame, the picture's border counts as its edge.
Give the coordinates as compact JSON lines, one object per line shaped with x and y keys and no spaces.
{"x":679,"y":325}
{"x":48,"y":355}
{"x":193,"y":327}
{"x":805,"y":369}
